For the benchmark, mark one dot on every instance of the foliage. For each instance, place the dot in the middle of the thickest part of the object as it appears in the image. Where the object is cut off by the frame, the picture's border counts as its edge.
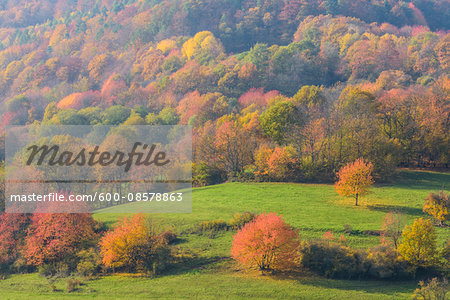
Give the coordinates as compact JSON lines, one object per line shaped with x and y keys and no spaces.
{"x":277,"y":120}
{"x":434,"y":289}
{"x":267,"y":242}
{"x":445,"y":253}
{"x":72,"y":285}
{"x":239,"y":219}
{"x":438,"y":206}
{"x":12,"y":233}
{"x":89,"y":264}
{"x":310,"y":96}
{"x":133,"y":246}
{"x":277,"y":164}
{"x":355,"y":179}
{"x":333,"y":260}
{"x":418,"y":245}
{"x":203,"y":174}
{"x":210,"y":228}
{"x":385,"y":263}
{"x":54,"y":269}
{"x":57,"y":237}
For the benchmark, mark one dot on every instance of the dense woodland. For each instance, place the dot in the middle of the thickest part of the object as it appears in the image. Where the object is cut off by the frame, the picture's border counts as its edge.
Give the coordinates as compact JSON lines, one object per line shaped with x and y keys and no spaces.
{"x":275,"y":90}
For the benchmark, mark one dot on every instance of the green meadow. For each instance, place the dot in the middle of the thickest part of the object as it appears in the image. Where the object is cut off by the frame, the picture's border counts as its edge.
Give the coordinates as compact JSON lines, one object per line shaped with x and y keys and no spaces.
{"x":210,"y":272}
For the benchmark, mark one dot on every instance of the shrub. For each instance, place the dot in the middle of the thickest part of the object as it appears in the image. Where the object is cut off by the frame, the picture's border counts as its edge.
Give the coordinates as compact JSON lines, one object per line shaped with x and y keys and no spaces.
{"x":328,"y":236}
{"x":348,"y":229}
{"x":268,"y":243}
{"x":333,"y":260}
{"x":385,"y":263}
{"x":89,"y":263}
{"x":438,"y":206}
{"x":132,"y":245}
{"x":248,"y":174}
{"x":72,"y":285}
{"x":54,"y":269}
{"x":418,"y":245}
{"x":434,"y":289}
{"x":168,"y":236}
{"x":240,"y":219}
{"x":210,"y":228}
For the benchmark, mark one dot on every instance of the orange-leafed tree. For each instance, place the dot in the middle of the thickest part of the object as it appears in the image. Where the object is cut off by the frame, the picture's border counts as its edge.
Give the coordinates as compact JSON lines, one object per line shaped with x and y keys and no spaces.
{"x":78,"y":100}
{"x":234,"y":146}
{"x":13,"y":228}
{"x":268,"y":243}
{"x":132,"y":245}
{"x":355,"y":179}
{"x":282,"y":162}
{"x":55,"y":237}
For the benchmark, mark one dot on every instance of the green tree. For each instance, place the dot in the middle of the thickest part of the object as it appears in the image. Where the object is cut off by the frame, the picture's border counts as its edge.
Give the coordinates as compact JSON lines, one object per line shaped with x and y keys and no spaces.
{"x":277,"y":120}
{"x":309,"y":96}
{"x":115,"y":115}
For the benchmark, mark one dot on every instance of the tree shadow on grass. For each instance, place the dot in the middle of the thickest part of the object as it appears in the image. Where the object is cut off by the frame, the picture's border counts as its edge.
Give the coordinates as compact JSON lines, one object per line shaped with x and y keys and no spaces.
{"x":376,"y":287}
{"x":193,"y":264}
{"x":388,"y":288}
{"x":411,"y":211}
{"x":178,"y":240}
{"x":422,"y":180}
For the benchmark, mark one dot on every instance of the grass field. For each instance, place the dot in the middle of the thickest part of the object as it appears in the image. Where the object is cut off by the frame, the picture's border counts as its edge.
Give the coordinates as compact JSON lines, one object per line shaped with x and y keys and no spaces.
{"x":313,"y":209}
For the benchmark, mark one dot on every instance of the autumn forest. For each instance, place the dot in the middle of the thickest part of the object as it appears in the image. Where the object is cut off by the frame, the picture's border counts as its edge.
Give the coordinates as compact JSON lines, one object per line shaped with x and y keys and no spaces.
{"x":307,"y":88}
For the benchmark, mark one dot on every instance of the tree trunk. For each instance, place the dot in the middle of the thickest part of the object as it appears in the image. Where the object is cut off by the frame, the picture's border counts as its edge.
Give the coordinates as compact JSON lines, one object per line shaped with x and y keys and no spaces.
{"x":356,"y":199}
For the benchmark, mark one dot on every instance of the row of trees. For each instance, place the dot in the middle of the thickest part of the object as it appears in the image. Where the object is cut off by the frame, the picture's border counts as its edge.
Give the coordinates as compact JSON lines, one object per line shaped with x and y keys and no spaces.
{"x":61,"y":243}
{"x":306,"y":137}
{"x":309,"y":136}
{"x":268,"y":243}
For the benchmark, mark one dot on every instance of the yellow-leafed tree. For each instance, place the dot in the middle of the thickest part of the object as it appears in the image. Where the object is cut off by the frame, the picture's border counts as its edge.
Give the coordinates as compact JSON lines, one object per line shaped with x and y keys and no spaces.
{"x":438,"y":206}
{"x":418,"y":245}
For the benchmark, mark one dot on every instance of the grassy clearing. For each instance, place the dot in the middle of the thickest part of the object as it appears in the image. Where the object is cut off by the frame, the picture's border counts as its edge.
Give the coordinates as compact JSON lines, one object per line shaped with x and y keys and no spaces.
{"x":217,"y":281}
{"x":313,"y":209}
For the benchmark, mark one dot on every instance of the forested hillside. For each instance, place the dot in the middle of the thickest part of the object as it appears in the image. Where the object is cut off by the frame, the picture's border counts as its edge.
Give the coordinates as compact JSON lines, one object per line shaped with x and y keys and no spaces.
{"x":274,"y":90}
